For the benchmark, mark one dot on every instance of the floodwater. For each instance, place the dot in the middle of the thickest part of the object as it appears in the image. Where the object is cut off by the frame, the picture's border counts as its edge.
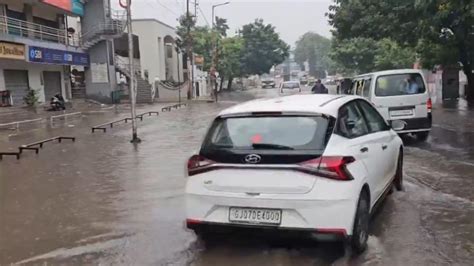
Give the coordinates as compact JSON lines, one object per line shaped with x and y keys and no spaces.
{"x":102,"y":200}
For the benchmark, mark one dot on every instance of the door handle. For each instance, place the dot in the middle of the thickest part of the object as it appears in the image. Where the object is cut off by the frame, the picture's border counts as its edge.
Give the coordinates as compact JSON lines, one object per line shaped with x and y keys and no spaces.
{"x":384,"y":147}
{"x":364,"y":149}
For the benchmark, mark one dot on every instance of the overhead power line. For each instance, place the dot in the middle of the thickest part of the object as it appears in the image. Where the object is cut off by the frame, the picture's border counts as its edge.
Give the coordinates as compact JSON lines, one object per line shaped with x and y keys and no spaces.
{"x":204,"y":16}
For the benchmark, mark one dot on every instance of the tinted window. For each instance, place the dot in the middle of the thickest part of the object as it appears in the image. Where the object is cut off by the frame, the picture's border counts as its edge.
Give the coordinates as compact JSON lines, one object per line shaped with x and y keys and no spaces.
{"x":366,"y":91}
{"x":375,"y":121}
{"x":351,"y":123}
{"x":290,"y":85}
{"x":270,"y":132}
{"x":400,"y":84}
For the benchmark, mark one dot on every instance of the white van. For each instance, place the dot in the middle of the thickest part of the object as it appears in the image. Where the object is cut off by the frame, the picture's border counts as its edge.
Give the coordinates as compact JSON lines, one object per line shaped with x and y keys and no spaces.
{"x":400,"y":94}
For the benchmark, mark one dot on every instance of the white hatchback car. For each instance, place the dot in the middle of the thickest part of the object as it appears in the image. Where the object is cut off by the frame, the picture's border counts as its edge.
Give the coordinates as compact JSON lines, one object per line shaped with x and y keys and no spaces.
{"x":311,"y":163}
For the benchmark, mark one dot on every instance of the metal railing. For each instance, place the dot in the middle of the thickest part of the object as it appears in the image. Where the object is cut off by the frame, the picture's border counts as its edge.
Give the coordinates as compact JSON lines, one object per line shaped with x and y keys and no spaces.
{"x":113,"y":28}
{"x":27,"y":29}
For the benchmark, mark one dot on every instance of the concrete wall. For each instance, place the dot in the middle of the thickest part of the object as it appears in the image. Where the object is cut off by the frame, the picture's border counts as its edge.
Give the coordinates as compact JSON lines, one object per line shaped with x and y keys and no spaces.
{"x":151,"y":34}
{"x":34,"y":75}
{"x":100,"y":91}
{"x":95,"y":14}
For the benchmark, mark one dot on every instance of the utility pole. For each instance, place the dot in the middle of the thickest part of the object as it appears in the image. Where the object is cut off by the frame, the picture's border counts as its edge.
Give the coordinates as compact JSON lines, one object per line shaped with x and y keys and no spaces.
{"x":189,"y":52}
{"x":132,"y":88}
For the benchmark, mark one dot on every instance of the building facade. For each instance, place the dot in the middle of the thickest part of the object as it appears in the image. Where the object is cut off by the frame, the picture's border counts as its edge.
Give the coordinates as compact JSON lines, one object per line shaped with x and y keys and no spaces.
{"x":37,"y":48}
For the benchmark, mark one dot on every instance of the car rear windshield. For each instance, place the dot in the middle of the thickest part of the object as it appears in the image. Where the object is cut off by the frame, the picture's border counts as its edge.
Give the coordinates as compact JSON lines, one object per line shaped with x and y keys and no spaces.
{"x":269,"y":133}
{"x":291,"y":85}
{"x":399,"y":84}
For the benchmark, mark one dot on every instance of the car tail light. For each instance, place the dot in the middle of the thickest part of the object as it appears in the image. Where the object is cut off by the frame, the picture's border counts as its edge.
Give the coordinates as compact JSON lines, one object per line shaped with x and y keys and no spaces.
{"x":198,"y":164}
{"x":429,"y":105}
{"x":333,"y":167}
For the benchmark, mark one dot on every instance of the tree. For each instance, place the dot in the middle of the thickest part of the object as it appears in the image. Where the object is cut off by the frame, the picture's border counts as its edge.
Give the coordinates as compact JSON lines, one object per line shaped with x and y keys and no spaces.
{"x":439,"y":31}
{"x":203,"y":45}
{"x":262,"y":48}
{"x":447,"y":36}
{"x":230,"y":64}
{"x":221,"y":26}
{"x":314,"y":49}
{"x":186,"y":21}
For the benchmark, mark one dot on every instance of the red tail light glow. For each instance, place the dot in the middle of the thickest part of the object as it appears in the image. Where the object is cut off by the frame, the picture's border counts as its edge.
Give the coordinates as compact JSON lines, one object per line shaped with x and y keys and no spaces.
{"x":333,"y":167}
{"x":429,"y":105}
{"x":197,"y":164}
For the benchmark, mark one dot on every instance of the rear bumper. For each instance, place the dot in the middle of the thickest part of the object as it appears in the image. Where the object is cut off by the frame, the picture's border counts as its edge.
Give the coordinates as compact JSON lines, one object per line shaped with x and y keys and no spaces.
{"x":416,"y":124}
{"x":215,"y":228}
{"x":317,"y":217}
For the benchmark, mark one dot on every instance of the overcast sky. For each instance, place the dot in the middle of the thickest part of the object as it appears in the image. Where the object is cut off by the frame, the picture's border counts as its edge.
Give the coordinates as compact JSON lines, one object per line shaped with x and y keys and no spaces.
{"x":292,"y":18}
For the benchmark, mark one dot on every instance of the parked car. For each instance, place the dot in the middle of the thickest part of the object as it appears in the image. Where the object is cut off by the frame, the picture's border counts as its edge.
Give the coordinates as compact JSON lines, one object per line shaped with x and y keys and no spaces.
{"x":268,"y":82}
{"x":293,"y":86}
{"x":399,"y":95}
{"x":317,"y":164}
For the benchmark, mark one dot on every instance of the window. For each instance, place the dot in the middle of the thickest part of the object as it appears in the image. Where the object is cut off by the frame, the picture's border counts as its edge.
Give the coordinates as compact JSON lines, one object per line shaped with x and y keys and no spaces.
{"x":359,"y":87}
{"x":270,"y":132}
{"x":399,"y":84}
{"x":290,"y":85}
{"x":375,"y":121}
{"x":351,"y":123}
{"x":366,"y":91}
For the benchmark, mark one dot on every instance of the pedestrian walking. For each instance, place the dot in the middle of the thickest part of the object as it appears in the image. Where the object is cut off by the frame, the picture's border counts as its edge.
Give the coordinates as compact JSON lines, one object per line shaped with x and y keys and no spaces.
{"x":319,"y":88}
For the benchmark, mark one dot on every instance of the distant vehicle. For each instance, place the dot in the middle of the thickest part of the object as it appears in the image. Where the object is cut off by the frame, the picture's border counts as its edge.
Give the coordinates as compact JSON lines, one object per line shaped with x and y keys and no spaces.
{"x":268,"y":81}
{"x":311,"y":81}
{"x":399,"y":95}
{"x":290,"y":85}
{"x":315,"y":164}
{"x":303,"y":80}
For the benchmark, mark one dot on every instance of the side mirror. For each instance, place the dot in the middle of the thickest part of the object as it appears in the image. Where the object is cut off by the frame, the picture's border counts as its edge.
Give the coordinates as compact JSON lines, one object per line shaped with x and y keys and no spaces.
{"x":398,"y":125}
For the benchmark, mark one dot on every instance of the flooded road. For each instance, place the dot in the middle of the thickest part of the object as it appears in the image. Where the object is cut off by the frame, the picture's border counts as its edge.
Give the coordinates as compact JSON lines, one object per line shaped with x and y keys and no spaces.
{"x":102,"y":200}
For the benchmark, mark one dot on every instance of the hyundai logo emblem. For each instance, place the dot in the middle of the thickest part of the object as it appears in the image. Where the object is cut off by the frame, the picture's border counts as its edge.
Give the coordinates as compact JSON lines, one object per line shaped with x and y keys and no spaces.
{"x":253,"y":158}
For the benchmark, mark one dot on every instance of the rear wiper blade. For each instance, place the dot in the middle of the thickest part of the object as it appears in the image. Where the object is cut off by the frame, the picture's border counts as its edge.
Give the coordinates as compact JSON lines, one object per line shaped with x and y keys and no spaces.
{"x":271,"y":146}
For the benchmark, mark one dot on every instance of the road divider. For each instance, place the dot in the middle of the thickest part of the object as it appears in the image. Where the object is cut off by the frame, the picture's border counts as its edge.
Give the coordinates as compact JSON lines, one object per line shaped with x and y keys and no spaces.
{"x":175,"y":106}
{"x":104,"y":126}
{"x":35,"y":146}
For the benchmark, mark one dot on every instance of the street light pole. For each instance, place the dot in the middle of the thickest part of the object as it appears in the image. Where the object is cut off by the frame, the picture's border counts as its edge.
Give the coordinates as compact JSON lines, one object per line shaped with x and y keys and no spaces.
{"x":132,"y":88}
{"x":214,"y":54}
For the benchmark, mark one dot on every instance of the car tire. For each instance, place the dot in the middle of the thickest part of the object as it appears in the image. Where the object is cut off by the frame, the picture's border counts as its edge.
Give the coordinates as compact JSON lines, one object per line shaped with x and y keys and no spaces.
{"x":398,"y":181}
{"x":360,"y":233}
{"x":422,"y":136}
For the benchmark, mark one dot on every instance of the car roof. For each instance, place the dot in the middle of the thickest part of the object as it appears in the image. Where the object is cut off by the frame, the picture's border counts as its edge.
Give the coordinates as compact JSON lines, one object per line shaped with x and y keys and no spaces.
{"x":391,"y":72}
{"x":302,"y":103}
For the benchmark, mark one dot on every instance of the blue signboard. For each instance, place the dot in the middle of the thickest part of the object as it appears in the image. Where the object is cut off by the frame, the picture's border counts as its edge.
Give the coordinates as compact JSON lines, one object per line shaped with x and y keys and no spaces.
{"x":77,"y":7}
{"x":57,"y":57}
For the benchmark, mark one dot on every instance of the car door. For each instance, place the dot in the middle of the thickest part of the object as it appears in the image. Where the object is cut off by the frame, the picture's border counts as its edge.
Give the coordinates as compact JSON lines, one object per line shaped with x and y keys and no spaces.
{"x":352,"y":125}
{"x":384,"y":144}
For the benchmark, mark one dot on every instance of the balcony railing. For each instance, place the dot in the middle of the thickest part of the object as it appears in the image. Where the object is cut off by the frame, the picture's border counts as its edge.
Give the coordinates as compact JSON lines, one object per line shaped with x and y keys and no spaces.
{"x":37,"y":31}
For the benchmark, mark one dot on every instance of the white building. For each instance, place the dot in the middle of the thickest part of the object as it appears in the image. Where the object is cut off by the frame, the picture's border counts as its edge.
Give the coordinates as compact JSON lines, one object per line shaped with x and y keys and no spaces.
{"x":36,"y":49}
{"x":159,"y":60}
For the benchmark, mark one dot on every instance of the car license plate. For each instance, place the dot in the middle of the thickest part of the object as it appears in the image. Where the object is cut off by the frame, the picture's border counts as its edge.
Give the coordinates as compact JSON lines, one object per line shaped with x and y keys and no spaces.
{"x":255,"y":216}
{"x":401,"y":112}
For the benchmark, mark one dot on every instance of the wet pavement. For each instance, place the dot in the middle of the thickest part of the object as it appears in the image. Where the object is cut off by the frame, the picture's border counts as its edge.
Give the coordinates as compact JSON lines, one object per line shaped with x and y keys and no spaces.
{"x":102,"y":200}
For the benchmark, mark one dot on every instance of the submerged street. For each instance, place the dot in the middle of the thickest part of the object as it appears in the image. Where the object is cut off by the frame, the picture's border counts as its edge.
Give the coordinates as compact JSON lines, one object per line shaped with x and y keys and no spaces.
{"x":102,"y":200}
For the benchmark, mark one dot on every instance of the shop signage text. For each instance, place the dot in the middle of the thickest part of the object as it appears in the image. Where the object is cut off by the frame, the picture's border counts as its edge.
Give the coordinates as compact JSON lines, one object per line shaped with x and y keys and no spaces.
{"x":58,"y":57}
{"x":12,"y":51}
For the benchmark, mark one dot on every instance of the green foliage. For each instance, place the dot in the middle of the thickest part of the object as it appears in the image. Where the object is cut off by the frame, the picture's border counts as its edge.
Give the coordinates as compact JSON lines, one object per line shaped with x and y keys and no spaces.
{"x":439,"y":31}
{"x":186,"y":21}
{"x":231,"y":50}
{"x":262,"y":48}
{"x":314,"y":49}
{"x":203,"y":45}
{"x":221,"y":26}
{"x":31,"y":98}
